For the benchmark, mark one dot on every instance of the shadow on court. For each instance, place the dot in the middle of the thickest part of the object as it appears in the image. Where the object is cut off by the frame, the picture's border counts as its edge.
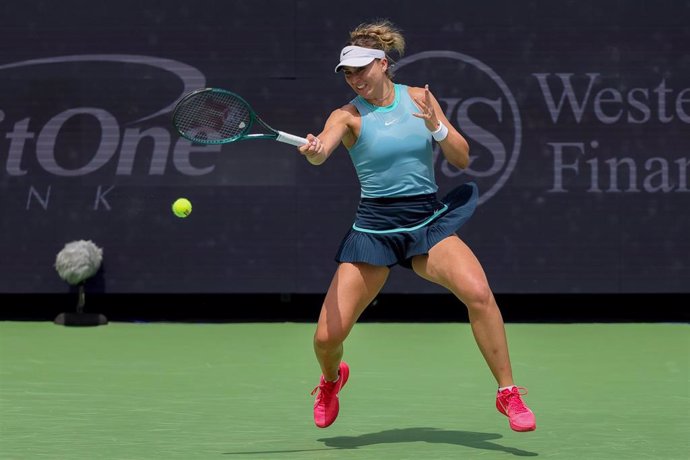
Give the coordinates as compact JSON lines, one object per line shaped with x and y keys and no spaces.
{"x":431,"y":435}
{"x":470,"y":439}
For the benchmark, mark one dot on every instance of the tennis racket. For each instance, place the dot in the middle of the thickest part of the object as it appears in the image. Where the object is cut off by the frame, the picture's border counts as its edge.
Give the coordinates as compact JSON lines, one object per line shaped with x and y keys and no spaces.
{"x":217,"y":116}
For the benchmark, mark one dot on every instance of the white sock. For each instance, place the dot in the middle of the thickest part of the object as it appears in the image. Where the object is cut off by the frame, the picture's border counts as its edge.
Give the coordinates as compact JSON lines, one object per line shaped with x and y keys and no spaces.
{"x":509,"y":387}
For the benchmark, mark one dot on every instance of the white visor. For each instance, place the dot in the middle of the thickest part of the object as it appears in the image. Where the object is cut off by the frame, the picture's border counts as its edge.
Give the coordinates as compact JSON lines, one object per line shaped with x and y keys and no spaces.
{"x":357,"y":56}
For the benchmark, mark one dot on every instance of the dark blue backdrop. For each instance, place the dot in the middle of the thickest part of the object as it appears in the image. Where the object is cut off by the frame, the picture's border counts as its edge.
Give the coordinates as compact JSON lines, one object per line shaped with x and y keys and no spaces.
{"x":578,"y":116}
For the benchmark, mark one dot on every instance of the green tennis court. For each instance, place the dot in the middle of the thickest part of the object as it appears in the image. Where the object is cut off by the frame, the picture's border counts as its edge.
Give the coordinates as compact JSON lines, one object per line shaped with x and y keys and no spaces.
{"x":417,"y":391}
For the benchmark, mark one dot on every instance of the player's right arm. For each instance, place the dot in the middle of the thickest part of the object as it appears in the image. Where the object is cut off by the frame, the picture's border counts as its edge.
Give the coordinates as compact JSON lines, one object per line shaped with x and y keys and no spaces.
{"x":338,"y":128}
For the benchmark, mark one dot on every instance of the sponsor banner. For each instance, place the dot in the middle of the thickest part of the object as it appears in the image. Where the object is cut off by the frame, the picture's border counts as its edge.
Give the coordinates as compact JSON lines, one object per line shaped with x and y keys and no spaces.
{"x":578,"y":127}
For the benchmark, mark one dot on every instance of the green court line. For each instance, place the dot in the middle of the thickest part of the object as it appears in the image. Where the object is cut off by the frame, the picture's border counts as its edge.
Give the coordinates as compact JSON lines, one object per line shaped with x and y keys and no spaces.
{"x":417,"y":391}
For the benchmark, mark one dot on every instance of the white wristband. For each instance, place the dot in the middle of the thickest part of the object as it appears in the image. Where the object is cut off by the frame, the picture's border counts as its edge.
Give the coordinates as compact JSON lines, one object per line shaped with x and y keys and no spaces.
{"x":440,"y":133}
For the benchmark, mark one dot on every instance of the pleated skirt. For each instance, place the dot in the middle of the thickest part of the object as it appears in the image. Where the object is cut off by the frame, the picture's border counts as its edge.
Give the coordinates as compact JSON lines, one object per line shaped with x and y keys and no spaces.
{"x":390,"y":231}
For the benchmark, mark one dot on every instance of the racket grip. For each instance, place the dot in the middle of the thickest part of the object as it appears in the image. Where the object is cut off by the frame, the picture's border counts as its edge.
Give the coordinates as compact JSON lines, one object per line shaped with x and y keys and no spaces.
{"x":291,"y":139}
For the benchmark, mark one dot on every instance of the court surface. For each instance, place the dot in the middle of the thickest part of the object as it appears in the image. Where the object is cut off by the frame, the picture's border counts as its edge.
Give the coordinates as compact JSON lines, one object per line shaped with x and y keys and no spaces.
{"x":416,"y":391}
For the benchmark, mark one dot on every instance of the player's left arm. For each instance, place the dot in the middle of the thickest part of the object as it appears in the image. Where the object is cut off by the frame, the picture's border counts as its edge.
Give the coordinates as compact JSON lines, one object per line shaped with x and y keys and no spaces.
{"x":454,"y":147}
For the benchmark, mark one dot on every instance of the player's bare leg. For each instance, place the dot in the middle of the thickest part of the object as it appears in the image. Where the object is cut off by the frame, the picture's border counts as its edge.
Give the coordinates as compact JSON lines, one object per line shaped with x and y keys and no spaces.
{"x":452,"y":264}
{"x":354,"y":286}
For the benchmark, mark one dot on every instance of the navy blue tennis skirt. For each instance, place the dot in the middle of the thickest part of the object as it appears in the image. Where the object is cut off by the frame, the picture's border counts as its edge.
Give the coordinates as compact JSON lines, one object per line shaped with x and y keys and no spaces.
{"x":390,"y":231}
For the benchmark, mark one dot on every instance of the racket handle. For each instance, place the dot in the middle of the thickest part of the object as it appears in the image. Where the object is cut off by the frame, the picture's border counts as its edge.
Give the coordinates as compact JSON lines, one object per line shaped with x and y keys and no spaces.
{"x":291,"y":139}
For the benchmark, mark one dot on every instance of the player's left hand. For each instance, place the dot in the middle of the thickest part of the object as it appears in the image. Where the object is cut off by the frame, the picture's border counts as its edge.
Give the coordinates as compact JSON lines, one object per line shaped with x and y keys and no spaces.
{"x":426,"y":110}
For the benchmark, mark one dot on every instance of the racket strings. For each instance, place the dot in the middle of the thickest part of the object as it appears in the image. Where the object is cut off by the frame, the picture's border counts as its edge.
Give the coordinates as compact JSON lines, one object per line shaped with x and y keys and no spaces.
{"x":212,"y":116}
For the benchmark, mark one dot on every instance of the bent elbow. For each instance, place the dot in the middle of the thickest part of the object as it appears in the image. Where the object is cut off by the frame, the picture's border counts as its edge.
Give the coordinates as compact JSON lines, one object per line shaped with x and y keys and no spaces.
{"x":462,"y":160}
{"x":461,"y":163}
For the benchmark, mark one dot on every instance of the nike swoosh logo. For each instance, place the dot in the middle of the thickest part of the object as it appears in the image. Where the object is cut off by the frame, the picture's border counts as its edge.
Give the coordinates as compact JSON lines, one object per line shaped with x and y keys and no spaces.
{"x":387,"y":123}
{"x":348,"y":51}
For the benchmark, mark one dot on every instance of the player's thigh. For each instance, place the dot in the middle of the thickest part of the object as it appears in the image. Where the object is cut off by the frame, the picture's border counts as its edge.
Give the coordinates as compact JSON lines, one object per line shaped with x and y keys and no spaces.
{"x":353,"y":287}
{"x":453,"y":265}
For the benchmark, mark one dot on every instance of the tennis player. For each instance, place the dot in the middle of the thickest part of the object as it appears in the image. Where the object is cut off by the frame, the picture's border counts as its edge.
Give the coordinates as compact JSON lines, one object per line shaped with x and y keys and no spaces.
{"x":388,"y":130}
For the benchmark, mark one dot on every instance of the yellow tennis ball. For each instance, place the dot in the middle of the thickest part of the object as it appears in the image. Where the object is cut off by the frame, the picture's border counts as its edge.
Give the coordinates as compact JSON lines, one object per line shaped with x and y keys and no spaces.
{"x":182,"y":207}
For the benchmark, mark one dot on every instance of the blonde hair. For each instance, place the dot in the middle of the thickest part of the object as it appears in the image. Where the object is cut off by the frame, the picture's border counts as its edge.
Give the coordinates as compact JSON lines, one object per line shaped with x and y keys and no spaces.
{"x":380,"y":35}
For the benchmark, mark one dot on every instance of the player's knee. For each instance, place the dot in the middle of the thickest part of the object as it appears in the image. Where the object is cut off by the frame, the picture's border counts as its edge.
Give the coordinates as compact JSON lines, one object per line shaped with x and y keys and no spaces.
{"x":478,"y":297}
{"x":327,"y":340}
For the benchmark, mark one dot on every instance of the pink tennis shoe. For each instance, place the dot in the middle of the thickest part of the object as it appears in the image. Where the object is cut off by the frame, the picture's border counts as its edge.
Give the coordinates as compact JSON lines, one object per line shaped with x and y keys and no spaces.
{"x":509,"y":403}
{"x":326,"y":405}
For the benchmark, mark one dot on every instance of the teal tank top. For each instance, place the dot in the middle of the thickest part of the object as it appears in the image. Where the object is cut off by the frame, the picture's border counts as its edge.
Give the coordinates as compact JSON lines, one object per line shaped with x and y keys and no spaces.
{"x":393,"y":156}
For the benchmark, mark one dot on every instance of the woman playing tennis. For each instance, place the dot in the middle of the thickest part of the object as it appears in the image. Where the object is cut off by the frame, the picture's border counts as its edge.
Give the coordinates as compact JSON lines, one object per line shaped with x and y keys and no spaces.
{"x":388,"y":130}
